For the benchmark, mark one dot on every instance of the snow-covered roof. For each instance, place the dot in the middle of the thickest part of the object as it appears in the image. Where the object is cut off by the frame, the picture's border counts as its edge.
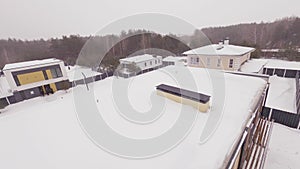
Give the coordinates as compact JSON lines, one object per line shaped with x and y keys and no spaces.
{"x":174,"y":59}
{"x":282,"y":94}
{"x":30,"y":63}
{"x":282,"y":64}
{"x":272,"y":50}
{"x":253,"y":65}
{"x":139,"y":58}
{"x":276,"y":50}
{"x":4,"y":87}
{"x":222,"y":50}
{"x":284,"y":148}
{"x":47,"y":127}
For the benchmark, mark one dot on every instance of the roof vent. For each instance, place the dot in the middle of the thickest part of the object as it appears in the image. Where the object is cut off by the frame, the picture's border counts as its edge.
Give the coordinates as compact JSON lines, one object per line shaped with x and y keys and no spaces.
{"x":220,"y":46}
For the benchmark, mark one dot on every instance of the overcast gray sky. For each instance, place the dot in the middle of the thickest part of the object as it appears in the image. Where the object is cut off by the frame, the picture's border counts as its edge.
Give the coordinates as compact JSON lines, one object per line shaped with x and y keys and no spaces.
{"x":34,"y":19}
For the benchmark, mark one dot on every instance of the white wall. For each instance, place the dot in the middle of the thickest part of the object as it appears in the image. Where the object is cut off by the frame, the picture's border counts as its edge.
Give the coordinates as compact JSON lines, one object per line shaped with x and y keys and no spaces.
{"x":150,"y":63}
{"x":212,"y":61}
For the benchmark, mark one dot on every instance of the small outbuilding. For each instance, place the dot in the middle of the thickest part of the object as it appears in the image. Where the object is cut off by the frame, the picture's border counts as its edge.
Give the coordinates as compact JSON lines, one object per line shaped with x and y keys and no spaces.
{"x":132,"y":66}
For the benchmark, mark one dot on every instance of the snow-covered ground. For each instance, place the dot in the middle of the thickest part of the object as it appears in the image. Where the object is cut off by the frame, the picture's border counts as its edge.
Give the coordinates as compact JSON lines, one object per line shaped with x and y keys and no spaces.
{"x":4,"y":88}
{"x":45,"y":132}
{"x":282,"y":94}
{"x":75,"y":72}
{"x":284,"y":148}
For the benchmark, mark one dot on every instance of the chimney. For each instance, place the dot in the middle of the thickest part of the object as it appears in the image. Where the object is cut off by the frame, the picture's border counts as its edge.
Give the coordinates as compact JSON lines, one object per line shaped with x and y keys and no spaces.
{"x":220,"y":46}
{"x":226,"y":41}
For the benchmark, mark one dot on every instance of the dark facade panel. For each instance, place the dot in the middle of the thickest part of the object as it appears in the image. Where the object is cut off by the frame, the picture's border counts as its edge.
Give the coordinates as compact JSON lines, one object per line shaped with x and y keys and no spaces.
{"x":79,"y":82}
{"x":35,"y":69}
{"x":19,"y":96}
{"x":43,"y":69}
{"x":104,"y":75}
{"x":89,"y":80}
{"x":32,"y":93}
{"x":63,"y":85}
{"x":111,"y":73}
{"x":285,"y":118}
{"x":98,"y":77}
{"x":12,"y":99}
{"x":184,"y":93}
{"x":266,"y":112}
{"x":3,"y":103}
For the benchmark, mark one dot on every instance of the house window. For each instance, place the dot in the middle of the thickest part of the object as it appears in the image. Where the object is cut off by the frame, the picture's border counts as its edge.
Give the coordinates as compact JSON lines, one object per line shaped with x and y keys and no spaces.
{"x":195,"y":60}
{"x":56,"y":72}
{"x":219,"y":62}
{"x":208,"y":61}
{"x":155,"y":61}
{"x":230,"y":63}
{"x":150,"y":62}
{"x":145,"y":64}
{"x":270,"y":72}
{"x":53,"y":73}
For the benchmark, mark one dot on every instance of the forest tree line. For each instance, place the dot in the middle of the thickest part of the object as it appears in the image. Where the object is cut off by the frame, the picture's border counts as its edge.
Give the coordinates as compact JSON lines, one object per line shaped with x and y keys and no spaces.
{"x":283,"y":34}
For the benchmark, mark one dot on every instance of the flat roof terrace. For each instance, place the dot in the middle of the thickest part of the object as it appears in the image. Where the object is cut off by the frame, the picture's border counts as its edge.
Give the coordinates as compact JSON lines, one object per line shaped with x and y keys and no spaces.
{"x":34,"y":131}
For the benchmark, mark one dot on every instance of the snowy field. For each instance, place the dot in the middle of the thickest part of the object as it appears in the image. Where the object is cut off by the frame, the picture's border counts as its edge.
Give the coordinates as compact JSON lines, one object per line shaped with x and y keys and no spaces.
{"x":282,"y":94}
{"x":75,"y":72}
{"x":45,"y":132}
{"x":284,"y":148}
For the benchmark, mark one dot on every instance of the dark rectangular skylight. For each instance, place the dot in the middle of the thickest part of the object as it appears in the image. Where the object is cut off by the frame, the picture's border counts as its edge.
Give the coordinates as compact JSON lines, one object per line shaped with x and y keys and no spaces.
{"x":202,"y":98}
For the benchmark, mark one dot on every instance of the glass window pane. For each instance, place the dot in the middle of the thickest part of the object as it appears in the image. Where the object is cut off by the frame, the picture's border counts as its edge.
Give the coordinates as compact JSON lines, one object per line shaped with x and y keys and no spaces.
{"x":53,"y":73}
{"x":58,"y":72}
{"x":279,"y":72}
{"x":270,"y":72}
{"x":290,"y":73}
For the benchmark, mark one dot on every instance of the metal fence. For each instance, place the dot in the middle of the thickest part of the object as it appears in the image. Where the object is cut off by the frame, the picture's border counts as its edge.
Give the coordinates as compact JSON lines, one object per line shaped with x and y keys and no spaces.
{"x":282,"y":117}
{"x":87,"y":80}
{"x":297,"y":93}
